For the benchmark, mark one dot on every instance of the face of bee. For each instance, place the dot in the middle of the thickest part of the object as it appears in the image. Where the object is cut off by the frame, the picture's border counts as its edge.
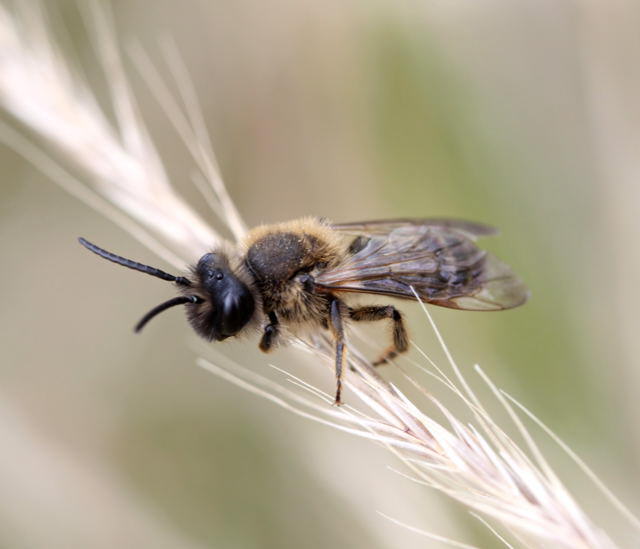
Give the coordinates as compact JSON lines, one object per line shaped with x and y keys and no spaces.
{"x":226,"y":305}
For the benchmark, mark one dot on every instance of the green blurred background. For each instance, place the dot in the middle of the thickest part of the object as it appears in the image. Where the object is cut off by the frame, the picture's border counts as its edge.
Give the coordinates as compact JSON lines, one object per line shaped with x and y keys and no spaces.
{"x":523,"y":115}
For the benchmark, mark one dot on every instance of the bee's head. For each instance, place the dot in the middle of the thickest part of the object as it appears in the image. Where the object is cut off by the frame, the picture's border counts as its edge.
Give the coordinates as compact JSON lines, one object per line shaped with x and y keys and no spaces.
{"x":226,"y":304}
{"x":218,"y":303}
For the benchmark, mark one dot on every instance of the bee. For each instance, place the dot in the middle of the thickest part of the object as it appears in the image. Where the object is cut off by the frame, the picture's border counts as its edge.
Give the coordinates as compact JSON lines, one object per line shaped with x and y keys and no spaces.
{"x":302,"y":276}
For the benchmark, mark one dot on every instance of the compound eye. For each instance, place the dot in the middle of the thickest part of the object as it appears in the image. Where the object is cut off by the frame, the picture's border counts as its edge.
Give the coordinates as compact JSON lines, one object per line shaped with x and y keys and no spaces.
{"x":207,"y":260}
{"x":211,"y":265}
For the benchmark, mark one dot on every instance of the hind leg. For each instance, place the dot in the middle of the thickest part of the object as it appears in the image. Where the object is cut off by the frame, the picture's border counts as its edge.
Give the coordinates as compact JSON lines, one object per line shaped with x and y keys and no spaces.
{"x":400,"y":338}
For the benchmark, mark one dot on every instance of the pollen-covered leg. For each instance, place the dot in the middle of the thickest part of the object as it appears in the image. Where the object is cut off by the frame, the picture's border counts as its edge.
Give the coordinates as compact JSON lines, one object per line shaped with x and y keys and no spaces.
{"x":270,"y":334}
{"x":337,"y":329}
{"x":400,"y":337}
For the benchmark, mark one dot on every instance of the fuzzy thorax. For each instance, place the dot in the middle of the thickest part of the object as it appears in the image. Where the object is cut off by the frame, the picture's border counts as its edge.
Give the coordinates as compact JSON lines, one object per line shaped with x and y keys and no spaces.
{"x":280,"y":256}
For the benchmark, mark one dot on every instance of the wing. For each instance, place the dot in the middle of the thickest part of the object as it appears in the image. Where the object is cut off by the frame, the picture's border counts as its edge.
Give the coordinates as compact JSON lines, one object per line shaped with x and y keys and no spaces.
{"x":439,"y":261}
{"x":385,"y":226}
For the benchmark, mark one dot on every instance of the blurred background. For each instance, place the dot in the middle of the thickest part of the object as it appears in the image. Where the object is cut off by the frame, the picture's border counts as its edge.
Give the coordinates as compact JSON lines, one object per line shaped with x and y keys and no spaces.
{"x":522,"y":115}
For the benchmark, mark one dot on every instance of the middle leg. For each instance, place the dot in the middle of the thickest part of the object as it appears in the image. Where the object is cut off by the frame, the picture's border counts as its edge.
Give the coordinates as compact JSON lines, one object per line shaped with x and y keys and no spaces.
{"x":335,"y":322}
{"x":400,"y":338}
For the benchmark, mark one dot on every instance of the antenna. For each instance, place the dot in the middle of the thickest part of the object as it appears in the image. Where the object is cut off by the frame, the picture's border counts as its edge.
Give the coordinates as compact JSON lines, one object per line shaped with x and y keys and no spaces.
{"x":180,"y":280}
{"x":181,"y":300}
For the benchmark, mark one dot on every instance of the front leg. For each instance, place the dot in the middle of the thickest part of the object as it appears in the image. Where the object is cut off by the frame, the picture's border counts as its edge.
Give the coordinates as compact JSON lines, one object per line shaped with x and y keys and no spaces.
{"x":335,"y":322}
{"x":270,"y":333}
